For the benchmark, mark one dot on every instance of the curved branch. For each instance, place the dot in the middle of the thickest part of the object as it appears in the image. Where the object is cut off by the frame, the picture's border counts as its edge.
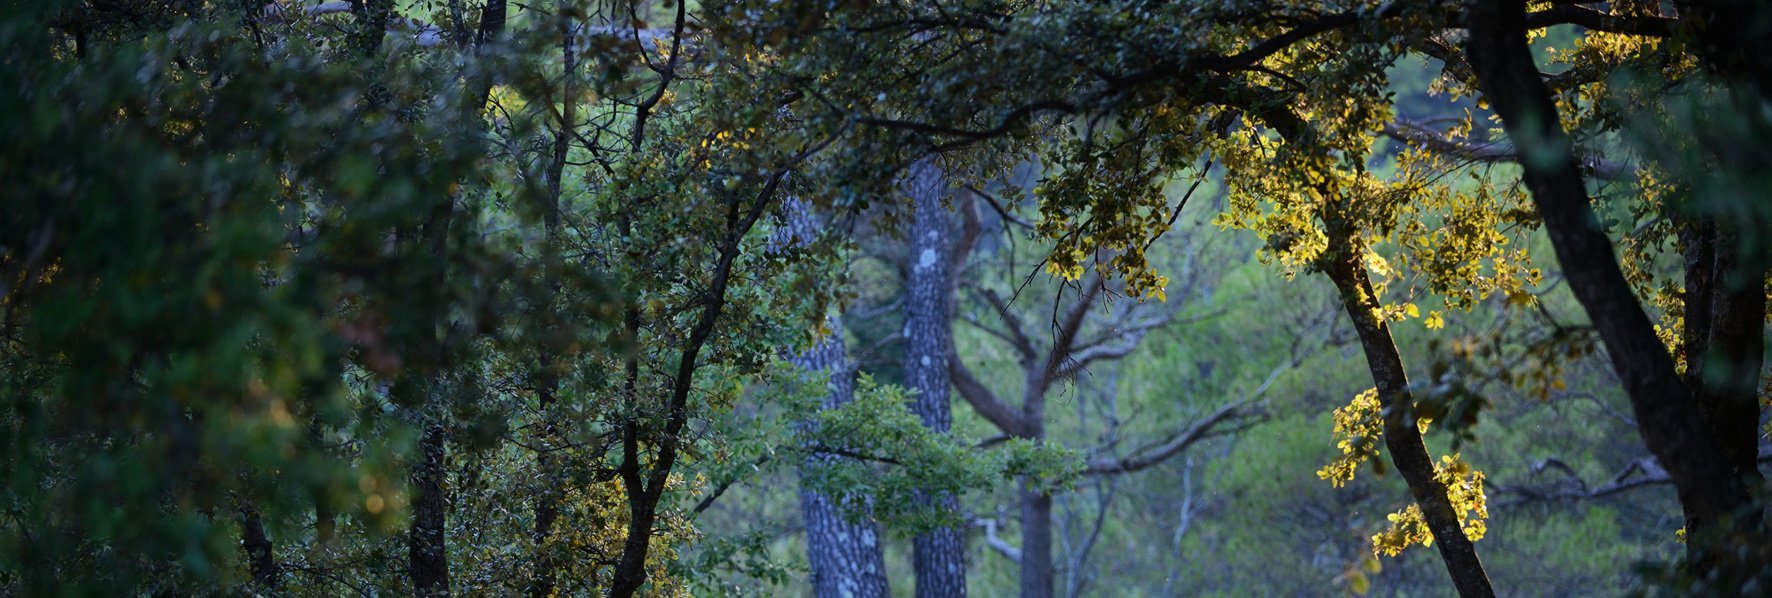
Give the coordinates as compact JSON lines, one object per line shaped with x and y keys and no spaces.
{"x":1428,"y":139}
{"x":1177,"y":441}
{"x":1008,"y":419}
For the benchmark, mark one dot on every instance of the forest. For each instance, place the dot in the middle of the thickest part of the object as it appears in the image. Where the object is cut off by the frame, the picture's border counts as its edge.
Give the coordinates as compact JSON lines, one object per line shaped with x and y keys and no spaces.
{"x":871,"y":298}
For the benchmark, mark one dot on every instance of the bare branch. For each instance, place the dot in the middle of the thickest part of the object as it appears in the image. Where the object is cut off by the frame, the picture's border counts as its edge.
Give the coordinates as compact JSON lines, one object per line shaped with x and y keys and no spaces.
{"x":1234,"y":415}
{"x":992,"y":409}
{"x":1639,"y":473}
{"x":997,"y":543}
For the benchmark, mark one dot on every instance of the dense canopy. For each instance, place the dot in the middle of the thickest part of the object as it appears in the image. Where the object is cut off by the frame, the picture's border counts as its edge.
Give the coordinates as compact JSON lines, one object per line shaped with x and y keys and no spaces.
{"x":856,"y":298}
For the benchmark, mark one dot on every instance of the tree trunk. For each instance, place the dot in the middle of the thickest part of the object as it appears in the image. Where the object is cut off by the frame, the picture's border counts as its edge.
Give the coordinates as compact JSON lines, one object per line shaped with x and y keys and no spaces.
{"x":547,"y":379}
{"x":846,"y":556}
{"x":260,"y":559}
{"x":426,"y":543}
{"x":1036,"y":541}
{"x":1402,"y":439}
{"x":939,"y":554}
{"x":1709,"y":489}
{"x":1725,"y":314}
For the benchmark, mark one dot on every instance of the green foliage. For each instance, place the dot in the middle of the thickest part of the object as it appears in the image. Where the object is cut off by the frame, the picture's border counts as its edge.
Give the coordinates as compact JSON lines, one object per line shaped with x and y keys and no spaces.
{"x":197,"y":268}
{"x":248,"y":255}
{"x":895,"y":459}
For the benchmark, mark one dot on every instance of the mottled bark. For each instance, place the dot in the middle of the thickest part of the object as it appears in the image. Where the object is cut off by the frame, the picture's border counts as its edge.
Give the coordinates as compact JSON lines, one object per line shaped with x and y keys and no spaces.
{"x":846,"y":556}
{"x":1402,"y":439}
{"x":427,"y":549}
{"x":939,"y":554}
{"x":1709,"y":489}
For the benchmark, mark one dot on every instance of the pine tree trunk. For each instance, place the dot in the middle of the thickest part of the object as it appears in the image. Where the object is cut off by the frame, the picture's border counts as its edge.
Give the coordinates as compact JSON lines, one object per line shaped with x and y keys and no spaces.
{"x":939,"y":555}
{"x":847,"y":558}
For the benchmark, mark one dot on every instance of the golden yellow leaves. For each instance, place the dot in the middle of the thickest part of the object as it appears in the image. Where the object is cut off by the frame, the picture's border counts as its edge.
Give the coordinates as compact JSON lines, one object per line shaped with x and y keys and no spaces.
{"x":1464,"y":488}
{"x":731,"y":140}
{"x":1358,"y":427}
{"x":1434,"y":320}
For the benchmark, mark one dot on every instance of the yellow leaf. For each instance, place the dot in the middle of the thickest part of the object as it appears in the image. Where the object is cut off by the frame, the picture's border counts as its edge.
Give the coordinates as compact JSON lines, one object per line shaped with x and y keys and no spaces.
{"x":1371,"y":565}
{"x":1409,"y":308}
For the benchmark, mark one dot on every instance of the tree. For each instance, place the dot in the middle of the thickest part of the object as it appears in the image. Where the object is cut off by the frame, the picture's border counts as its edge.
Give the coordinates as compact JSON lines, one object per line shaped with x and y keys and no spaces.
{"x":939,"y":553}
{"x":1088,"y":330}
{"x":1713,"y":489}
{"x":285,"y":185}
{"x":846,"y":554}
{"x":1151,"y":112}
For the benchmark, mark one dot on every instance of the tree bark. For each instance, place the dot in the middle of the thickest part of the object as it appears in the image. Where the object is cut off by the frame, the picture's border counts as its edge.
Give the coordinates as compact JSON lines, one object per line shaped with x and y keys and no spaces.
{"x":1402,"y":438}
{"x":939,"y":554}
{"x":1725,"y":315}
{"x":846,"y":556}
{"x":260,"y":559}
{"x":1709,"y":489}
{"x":426,"y":546}
{"x":1036,"y":541}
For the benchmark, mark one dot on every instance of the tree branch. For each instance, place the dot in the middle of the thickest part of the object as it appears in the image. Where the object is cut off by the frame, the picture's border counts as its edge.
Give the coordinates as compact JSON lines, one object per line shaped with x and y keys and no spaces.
{"x":1640,"y":473}
{"x":1178,"y":441}
{"x":1008,"y":419}
{"x":1426,"y":138}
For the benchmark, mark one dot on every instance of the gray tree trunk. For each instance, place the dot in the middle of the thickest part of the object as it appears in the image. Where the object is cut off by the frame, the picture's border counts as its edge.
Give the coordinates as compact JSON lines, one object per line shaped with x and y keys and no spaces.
{"x":1036,"y":542}
{"x":940,"y":553}
{"x":846,"y":556}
